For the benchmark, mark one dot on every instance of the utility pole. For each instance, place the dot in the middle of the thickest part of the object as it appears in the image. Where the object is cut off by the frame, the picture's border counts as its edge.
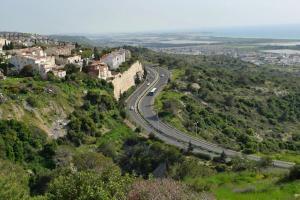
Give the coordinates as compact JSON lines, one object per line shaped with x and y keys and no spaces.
{"x":157,"y":121}
{"x":196,"y":126}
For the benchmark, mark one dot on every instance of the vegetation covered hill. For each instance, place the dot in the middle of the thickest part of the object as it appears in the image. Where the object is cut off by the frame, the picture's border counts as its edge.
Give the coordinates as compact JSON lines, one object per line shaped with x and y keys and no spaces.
{"x":232,"y":103}
{"x":39,"y":103}
{"x":100,"y":155}
{"x":75,"y":39}
{"x":93,"y":158}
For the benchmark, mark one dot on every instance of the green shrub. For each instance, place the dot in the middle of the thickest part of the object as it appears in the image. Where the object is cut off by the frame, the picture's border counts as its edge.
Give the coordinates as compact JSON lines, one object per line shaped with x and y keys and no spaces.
{"x":33,"y":102}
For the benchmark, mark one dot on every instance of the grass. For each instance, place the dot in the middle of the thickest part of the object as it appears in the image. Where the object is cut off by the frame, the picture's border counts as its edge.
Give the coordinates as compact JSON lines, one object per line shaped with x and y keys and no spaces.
{"x":248,"y":186}
{"x":176,"y":73}
{"x":166,"y":95}
{"x":117,"y":133}
{"x":170,"y":96}
{"x":262,"y":191}
{"x":284,"y":155}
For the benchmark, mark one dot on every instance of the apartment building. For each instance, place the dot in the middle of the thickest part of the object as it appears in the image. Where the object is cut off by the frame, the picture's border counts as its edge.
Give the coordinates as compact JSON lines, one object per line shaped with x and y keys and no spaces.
{"x":35,"y":57}
{"x":116,"y":58}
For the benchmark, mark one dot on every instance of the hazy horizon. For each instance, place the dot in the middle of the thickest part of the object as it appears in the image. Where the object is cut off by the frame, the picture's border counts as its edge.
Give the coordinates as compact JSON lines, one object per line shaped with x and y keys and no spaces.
{"x":116,"y":16}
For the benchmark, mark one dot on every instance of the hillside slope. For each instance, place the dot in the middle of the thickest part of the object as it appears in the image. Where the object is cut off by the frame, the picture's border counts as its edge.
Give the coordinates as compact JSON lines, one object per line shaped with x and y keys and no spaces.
{"x":39,"y":103}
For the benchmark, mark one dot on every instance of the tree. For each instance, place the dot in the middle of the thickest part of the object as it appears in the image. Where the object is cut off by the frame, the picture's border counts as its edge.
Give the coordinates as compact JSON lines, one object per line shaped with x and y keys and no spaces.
{"x":32,"y":101}
{"x":10,"y":46}
{"x":14,"y":181}
{"x":84,"y":66}
{"x":87,"y":185}
{"x":190,"y":168}
{"x":138,"y":129}
{"x":92,"y":161}
{"x":294,"y":173}
{"x":143,"y":157}
{"x":5,"y":47}
{"x":241,"y":164}
{"x":82,"y":185}
{"x":96,"y":53}
{"x":108,"y":149}
{"x":87,"y":53}
{"x":265,"y":162}
{"x":52,"y":77}
{"x":137,"y":80}
{"x":27,"y":71}
{"x":72,"y":68}
{"x":229,"y":100}
{"x":223,"y":157}
{"x":190,"y":147}
{"x":21,"y":142}
{"x":77,"y":45}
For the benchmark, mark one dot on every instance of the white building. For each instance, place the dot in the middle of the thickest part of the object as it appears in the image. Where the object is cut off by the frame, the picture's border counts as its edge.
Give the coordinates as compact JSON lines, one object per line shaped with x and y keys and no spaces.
{"x":35,"y":57}
{"x":60,"y":73}
{"x":74,"y":59}
{"x":115,"y":58}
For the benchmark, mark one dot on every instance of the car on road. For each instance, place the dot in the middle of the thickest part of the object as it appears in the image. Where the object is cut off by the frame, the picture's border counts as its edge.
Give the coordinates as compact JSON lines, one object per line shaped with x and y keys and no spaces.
{"x":162,"y":75}
{"x":132,"y":108}
{"x":152,"y":92}
{"x":148,"y":84}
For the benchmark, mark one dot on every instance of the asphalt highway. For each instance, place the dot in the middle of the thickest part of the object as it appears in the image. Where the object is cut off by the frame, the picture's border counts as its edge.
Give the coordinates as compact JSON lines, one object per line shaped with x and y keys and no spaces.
{"x":140,"y":106}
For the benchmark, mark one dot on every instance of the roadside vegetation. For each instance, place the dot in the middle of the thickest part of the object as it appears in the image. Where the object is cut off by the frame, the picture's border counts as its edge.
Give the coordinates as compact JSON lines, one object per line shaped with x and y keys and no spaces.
{"x":235,"y":104}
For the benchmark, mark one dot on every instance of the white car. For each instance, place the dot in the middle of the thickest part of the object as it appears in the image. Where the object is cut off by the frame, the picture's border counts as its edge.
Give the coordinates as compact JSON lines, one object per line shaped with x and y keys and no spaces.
{"x":132,"y":108}
{"x":162,"y":75}
{"x":148,"y":84}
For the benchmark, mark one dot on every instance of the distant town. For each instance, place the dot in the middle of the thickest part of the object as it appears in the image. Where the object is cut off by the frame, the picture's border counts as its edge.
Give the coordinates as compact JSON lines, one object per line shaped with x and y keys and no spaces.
{"x":282,"y":57}
{"x":281,"y":52}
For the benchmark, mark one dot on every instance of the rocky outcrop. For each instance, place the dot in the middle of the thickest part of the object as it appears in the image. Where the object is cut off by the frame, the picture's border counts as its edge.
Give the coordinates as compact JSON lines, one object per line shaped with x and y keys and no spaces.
{"x":123,"y":82}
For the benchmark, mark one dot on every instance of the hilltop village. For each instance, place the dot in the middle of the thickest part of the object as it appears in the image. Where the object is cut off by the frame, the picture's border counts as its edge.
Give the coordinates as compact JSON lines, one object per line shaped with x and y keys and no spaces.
{"x":46,"y":57}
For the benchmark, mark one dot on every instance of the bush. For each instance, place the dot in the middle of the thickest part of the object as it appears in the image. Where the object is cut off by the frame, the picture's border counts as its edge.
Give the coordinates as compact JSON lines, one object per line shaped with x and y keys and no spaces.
{"x":265,"y":162}
{"x":241,"y":164}
{"x":22,"y":143}
{"x":294,"y":173}
{"x":92,"y":161}
{"x":108,"y":149}
{"x":143,"y":157}
{"x":27,"y":71}
{"x":14,"y":181}
{"x":72,"y":68}
{"x":32,"y":102}
{"x":90,"y":185}
{"x":190,"y":168}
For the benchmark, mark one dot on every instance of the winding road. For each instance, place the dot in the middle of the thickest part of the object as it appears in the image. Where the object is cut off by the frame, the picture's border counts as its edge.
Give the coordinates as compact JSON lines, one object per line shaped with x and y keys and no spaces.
{"x":140,"y":106}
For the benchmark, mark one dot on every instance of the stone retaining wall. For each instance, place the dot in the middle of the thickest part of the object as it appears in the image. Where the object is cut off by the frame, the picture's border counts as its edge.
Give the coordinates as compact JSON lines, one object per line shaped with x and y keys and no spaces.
{"x":126,"y":80}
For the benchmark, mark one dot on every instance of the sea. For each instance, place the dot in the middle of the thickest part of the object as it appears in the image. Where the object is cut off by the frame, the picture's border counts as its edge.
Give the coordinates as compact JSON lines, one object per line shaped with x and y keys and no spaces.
{"x":291,"y":32}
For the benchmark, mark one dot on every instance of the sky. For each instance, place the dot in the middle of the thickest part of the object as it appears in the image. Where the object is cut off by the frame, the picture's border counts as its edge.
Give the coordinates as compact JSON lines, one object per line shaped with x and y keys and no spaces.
{"x":107,"y":16}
